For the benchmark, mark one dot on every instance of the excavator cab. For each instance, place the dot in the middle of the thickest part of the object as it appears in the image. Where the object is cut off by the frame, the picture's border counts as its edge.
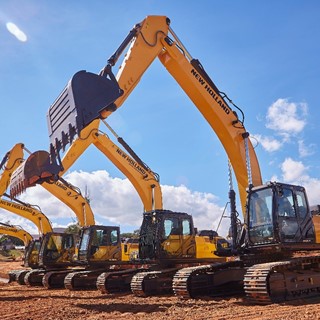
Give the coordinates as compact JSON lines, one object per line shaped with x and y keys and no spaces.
{"x":57,"y":250}
{"x":38,"y":167}
{"x":80,"y":102}
{"x":278,"y":214}
{"x":166,"y":236}
{"x":99,"y":245}
{"x":31,"y":254}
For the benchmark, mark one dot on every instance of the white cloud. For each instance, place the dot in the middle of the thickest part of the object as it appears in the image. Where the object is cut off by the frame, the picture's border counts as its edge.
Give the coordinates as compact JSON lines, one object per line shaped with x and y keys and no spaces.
{"x":312,"y":186}
{"x":48,"y":204}
{"x":16,"y":31}
{"x":111,"y":198}
{"x":295,"y":172}
{"x":268,"y":143}
{"x":305,"y":151}
{"x":6,"y":217}
{"x":203,"y":207}
{"x":115,"y":200}
{"x":286,"y":117}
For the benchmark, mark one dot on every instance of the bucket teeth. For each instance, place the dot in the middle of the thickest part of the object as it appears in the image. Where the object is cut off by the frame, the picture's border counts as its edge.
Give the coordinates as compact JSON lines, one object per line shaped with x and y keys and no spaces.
{"x":37,"y":168}
{"x":80,"y":102}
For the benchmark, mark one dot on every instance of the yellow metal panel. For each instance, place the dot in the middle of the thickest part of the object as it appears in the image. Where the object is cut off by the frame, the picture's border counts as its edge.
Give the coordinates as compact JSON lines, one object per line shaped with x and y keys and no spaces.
{"x":316,"y":222}
{"x":15,"y":158}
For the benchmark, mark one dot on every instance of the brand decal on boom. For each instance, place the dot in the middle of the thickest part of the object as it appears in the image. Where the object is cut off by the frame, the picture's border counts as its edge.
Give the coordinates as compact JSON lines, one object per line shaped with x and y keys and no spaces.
{"x":131,"y":162}
{"x":212,"y":93}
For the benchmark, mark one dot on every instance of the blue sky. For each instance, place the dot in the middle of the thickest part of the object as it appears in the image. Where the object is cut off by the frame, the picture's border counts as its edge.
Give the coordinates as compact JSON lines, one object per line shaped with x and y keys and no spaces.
{"x":263,"y":54}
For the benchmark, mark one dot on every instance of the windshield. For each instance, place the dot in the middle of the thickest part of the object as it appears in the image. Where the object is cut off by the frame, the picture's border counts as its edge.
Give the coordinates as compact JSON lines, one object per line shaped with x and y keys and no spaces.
{"x":84,"y":243}
{"x":260,"y":216}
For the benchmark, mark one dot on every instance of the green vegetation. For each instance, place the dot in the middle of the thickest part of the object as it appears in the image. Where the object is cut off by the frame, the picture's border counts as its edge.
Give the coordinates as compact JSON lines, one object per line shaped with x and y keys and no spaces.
{"x":134,"y":234}
{"x":11,"y":254}
{"x":73,"y":228}
{"x":15,"y":241}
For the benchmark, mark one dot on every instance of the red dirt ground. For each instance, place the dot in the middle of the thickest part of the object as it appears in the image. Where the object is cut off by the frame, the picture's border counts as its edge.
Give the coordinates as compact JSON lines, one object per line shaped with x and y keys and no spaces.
{"x":34,"y":303}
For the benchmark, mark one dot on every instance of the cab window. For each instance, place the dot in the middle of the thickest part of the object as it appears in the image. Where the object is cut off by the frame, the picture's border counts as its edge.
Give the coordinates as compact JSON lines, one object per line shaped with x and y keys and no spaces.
{"x":114,"y":237}
{"x":171,"y":227}
{"x":302,"y":205}
{"x":286,"y":204}
{"x":186,"y":227}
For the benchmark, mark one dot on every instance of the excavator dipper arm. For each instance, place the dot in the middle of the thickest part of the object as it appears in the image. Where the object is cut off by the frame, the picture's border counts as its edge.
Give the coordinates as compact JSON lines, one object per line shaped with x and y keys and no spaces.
{"x":40,"y":167}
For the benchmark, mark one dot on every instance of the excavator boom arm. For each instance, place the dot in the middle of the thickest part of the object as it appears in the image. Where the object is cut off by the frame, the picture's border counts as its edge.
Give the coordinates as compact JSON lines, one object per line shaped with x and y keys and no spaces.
{"x":37,"y":217}
{"x":73,"y":198}
{"x":151,"y":40}
{"x":16,"y":232}
{"x":147,"y":41}
{"x":142,"y":178}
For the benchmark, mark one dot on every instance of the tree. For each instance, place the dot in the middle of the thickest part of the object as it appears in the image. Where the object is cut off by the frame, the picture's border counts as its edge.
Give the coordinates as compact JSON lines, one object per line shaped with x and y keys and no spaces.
{"x":14,"y":240}
{"x":134,"y":234}
{"x":73,"y":228}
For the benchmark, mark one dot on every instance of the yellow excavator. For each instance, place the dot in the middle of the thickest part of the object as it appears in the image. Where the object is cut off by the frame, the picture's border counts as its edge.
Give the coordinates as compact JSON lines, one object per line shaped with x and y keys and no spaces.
{"x":35,"y":170}
{"x":37,"y":253}
{"x":19,"y":233}
{"x":10,"y":162}
{"x":169,"y":249}
{"x":147,"y":185}
{"x":91,"y":240}
{"x":54,"y":251}
{"x":267,"y":245}
{"x":27,"y":211}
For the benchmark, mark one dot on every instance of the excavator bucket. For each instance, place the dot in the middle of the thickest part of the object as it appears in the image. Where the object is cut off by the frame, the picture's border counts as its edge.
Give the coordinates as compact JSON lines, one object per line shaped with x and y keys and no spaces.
{"x":37,"y":168}
{"x":81,"y":101}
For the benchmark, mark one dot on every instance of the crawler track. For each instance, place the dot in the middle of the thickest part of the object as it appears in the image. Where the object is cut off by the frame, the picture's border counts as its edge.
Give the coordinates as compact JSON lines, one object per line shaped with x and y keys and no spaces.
{"x":283,"y":281}
{"x":209,"y":280}
{"x":34,"y":277}
{"x":152,"y":283}
{"x":54,"y":279}
{"x":116,"y":281}
{"x":82,"y":280}
{"x":17,"y":275}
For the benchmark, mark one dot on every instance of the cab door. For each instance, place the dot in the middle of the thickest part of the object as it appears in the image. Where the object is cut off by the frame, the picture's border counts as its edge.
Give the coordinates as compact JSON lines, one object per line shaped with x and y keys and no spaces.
{"x":295,"y":222}
{"x":179,"y":238}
